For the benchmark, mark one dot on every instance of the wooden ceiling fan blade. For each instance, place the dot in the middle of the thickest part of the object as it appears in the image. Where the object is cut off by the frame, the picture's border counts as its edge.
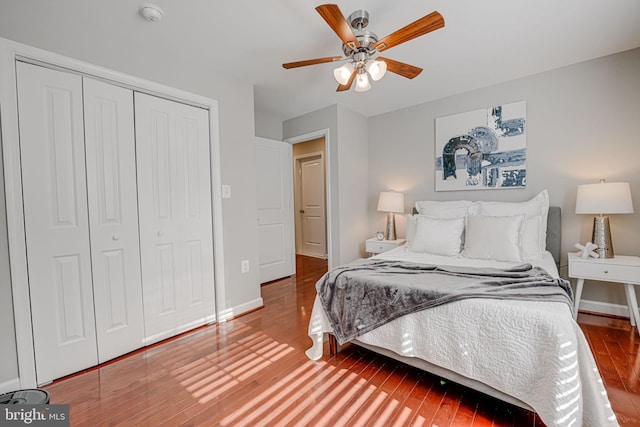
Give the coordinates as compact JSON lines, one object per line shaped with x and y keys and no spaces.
{"x":422,"y":26}
{"x":311,"y":62}
{"x":332,"y":14}
{"x":342,"y":88}
{"x":400,"y":68}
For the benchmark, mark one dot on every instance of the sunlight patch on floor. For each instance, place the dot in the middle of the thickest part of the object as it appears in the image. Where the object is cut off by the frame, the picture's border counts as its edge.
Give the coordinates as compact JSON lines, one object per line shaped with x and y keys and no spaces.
{"x":206,"y":379}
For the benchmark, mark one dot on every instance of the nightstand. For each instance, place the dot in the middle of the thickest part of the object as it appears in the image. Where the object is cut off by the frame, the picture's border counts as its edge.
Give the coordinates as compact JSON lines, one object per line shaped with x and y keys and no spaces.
{"x":375,"y":246}
{"x":619,"y":269}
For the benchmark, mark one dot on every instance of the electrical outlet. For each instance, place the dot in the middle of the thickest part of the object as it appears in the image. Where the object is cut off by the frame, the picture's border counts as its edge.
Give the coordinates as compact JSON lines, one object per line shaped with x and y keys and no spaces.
{"x":244,"y":266}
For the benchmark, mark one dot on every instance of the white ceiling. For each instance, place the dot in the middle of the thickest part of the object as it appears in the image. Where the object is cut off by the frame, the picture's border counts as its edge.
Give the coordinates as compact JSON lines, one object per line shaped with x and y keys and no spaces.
{"x":483,"y":42}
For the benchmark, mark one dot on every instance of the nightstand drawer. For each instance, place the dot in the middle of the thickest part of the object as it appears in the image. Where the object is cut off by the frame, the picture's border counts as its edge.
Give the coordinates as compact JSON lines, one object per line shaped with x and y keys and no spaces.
{"x":378,"y":247}
{"x":375,"y":246}
{"x":600,"y":271}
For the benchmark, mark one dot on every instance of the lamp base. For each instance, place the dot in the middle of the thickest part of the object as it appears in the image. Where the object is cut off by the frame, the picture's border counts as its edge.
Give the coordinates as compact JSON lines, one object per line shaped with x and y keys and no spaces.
{"x":391,"y":226}
{"x":602,"y":236}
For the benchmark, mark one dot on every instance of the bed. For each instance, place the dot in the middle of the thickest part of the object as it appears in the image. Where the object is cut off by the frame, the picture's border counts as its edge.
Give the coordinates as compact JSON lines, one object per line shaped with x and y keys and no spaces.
{"x":534,"y":355}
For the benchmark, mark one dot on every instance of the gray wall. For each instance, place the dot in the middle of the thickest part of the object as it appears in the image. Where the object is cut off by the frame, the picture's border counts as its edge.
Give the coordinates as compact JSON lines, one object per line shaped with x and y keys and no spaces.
{"x":583,"y":123}
{"x":8,"y":355}
{"x":268,"y":125}
{"x":354,"y":171}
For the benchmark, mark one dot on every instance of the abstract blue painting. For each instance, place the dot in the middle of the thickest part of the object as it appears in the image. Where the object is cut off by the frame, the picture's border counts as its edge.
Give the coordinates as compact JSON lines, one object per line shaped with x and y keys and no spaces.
{"x":482,"y":149}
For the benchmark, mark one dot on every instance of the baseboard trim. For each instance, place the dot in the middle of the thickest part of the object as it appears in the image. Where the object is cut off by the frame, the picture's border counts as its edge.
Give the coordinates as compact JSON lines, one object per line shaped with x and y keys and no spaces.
{"x":152,"y":339}
{"x":604,"y":308}
{"x":228,"y":313}
{"x":10,"y":385}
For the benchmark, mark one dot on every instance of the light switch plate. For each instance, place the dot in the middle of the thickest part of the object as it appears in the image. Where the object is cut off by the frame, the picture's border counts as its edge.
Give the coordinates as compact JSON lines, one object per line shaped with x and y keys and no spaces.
{"x":226,"y":191}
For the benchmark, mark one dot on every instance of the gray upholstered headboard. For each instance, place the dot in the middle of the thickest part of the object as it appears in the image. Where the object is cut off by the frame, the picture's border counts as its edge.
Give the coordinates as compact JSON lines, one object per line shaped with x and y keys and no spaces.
{"x":554,"y":232}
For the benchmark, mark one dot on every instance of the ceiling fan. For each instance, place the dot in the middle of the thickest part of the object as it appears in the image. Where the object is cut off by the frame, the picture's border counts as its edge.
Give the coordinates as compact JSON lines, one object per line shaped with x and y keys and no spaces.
{"x":360,"y":46}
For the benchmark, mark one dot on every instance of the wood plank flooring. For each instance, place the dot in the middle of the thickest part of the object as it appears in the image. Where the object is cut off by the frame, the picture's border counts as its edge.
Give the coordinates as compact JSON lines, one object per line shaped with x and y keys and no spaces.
{"x":252,"y":371}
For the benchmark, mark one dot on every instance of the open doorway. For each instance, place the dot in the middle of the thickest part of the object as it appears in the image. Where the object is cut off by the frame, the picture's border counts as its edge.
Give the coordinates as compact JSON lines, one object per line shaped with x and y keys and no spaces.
{"x":310,"y":196}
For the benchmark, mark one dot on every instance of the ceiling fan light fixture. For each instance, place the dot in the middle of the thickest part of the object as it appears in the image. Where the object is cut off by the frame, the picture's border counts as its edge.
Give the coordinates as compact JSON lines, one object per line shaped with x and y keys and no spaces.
{"x":377,"y":69}
{"x":362,"y":83}
{"x":343,"y":73}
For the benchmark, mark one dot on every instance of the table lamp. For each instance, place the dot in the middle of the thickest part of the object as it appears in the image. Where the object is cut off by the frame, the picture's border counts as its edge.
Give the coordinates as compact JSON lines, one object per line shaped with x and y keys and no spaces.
{"x":604,"y":198}
{"x":391,"y":202}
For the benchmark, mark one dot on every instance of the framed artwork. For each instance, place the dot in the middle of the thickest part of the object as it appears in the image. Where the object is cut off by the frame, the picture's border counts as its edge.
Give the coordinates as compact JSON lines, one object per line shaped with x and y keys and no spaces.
{"x":482,"y":149}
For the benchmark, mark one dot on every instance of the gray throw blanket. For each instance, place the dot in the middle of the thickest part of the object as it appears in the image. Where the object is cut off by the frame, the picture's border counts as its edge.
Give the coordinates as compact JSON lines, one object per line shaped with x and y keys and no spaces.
{"x":366,"y":294}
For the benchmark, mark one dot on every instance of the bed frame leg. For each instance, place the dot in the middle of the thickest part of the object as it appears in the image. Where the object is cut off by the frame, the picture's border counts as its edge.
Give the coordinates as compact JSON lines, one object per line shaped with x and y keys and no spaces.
{"x":333,"y":345}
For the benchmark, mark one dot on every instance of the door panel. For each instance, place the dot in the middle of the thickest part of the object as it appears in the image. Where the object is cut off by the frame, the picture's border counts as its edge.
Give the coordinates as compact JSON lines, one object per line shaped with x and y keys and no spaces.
{"x":116,"y":300}
{"x":174,"y":187}
{"x":68,"y":298}
{"x":313,"y":211}
{"x":113,"y":218}
{"x":275,"y":207}
{"x":56,"y":220}
{"x":194,"y":284}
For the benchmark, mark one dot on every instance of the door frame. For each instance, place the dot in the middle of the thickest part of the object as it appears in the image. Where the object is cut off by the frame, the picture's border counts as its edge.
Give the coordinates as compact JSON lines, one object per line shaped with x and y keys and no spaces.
{"x":10,"y":52}
{"x":297,"y":160}
{"x":322,"y":133}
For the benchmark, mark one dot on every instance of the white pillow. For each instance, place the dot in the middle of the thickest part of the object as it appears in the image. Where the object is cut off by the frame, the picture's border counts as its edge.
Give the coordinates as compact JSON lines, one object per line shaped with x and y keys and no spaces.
{"x":410,"y":230}
{"x":536,"y":207}
{"x":494,"y":237}
{"x":437,"y":236}
{"x":530,"y":238}
{"x":440,"y":210}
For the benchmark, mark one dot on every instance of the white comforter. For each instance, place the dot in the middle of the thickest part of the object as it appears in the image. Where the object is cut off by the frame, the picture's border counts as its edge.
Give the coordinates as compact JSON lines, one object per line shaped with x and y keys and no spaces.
{"x":533,"y":351}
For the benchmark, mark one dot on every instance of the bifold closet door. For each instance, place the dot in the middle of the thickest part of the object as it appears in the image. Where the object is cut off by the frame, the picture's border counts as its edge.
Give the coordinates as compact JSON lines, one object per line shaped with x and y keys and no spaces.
{"x":113,"y":218}
{"x":174,"y":199}
{"x":56,"y":220}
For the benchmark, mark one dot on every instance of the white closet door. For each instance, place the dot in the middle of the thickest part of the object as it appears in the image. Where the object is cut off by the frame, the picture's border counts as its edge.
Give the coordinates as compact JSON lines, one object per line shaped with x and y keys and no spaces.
{"x":56,"y":220}
{"x":113,"y":218}
{"x":176,"y":239}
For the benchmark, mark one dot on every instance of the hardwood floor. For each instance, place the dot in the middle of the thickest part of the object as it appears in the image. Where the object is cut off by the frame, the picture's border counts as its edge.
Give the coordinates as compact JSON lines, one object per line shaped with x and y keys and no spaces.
{"x":253,"y":371}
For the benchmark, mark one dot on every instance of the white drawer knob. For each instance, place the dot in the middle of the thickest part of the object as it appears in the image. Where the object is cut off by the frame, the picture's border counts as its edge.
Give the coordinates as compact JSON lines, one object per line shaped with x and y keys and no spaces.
{"x":160,"y":233}
{"x":606,"y":271}
{"x":116,"y":237}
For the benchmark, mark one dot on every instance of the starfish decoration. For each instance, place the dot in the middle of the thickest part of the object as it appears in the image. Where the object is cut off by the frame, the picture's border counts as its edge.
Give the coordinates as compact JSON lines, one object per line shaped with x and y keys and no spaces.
{"x":587,"y":250}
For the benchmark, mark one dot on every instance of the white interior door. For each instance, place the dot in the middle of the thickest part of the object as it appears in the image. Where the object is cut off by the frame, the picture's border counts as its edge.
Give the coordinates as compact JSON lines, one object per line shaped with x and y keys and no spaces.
{"x":174,"y":192}
{"x":312,"y":210}
{"x":113,"y":218}
{"x":275,"y":209}
{"x":56,"y":220}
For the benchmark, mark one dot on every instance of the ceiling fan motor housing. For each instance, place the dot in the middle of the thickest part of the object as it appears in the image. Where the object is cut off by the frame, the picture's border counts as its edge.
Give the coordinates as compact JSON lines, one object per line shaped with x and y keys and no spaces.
{"x":359,"y":19}
{"x":366,"y":39}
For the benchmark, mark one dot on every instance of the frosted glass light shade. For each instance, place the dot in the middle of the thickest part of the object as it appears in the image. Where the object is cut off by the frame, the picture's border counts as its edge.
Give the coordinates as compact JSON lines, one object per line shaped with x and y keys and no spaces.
{"x":390,"y":201}
{"x":362,"y":83}
{"x":343,"y":73}
{"x":376,"y":69}
{"x":604,"y":198}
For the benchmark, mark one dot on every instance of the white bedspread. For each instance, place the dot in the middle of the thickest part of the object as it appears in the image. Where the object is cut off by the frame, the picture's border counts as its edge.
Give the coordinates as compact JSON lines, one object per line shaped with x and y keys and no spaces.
{"x":533,"y":351}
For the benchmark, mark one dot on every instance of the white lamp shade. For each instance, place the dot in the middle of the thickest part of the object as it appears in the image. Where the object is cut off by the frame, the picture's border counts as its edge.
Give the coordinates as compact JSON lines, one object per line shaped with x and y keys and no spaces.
{"x":604,"y":198}
{"x":343,"y":73}
{"x":390,"y":201}
{"x":376,"y":69}
{"x":362,"y":83}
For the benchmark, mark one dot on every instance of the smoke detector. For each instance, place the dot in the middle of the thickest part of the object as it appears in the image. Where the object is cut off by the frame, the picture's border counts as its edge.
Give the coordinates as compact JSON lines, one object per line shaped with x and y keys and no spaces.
{"x":151,"y":12}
